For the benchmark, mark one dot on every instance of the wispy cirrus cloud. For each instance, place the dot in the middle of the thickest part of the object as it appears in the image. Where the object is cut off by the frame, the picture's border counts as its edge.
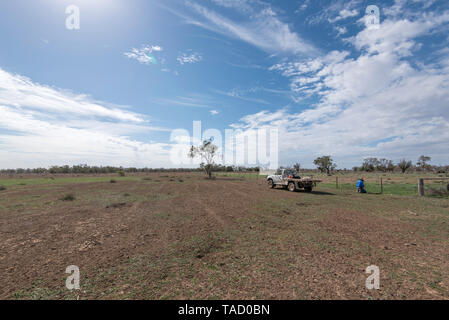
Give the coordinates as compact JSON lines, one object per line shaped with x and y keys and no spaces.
{"x":242,"y":95}
{"x":193,"y":100}
{"x":21,"y":92}
{"x":336,"y":11}
{"x":244,"y":6}
{"x":262,"y":28}
{"x":144,"y":54}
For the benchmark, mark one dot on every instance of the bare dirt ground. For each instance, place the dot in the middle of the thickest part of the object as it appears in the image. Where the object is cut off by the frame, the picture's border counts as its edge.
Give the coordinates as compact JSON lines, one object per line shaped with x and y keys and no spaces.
{"x":180,"y":236}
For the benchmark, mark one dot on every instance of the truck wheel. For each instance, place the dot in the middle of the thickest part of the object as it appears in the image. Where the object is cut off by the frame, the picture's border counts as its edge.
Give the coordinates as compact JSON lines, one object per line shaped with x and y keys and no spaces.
{"x":291,"y":187}
{"x":270,"y":183}
{"x":308,"y":189}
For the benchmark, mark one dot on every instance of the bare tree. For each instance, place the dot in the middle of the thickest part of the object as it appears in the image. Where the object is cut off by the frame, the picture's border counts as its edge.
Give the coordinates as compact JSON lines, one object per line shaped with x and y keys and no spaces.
{"x":325,"y":164}
{"x":404,"y":165}
{"x":207,"y":152}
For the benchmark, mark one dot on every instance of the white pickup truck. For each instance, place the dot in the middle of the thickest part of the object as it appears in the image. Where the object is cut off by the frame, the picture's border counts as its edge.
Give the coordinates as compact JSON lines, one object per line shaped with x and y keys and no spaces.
{"x":289,"y":178}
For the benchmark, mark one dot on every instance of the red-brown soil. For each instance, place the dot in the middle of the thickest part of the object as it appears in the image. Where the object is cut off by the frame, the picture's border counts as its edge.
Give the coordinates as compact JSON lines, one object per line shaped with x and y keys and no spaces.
{"x":180,"y":236}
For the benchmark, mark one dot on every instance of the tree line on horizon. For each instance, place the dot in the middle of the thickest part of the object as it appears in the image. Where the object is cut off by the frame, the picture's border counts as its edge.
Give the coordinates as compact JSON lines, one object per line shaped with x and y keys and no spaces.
{"x":327,"y":165}
{"x":85,"y":169}
{"x":324,"y":164}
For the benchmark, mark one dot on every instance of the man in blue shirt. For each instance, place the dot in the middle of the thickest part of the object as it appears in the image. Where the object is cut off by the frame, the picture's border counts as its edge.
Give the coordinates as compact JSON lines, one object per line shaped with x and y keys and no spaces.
{"x":361,"y":186}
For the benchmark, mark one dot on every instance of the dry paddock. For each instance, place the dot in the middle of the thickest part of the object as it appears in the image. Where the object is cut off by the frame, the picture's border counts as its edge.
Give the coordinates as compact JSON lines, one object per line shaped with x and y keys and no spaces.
{"x":180,"y":236}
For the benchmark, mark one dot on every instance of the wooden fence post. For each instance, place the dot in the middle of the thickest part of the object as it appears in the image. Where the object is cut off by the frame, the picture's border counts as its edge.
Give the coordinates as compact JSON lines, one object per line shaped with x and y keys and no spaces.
{"x":336,"y":182}
{"x":381,"y":186}
{"x":420,"y":187}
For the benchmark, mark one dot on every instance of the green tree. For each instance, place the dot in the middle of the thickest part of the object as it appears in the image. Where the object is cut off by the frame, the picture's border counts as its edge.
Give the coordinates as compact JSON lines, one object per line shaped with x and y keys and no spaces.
{"x":325,"y":164}
{"x":385,"y":165}
{"x":404,"y":165}
{"x":207,"y":152}
{"x":422,"y":162}
{"x":370,"y":164}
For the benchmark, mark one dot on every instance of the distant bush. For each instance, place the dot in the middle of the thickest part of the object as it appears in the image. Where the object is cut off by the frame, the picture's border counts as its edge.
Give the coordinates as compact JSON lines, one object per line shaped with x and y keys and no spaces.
{"x":2,"y":188}
{"x":121,"y":173}
{"x":113,"y":181}
{"x":68,"y":197}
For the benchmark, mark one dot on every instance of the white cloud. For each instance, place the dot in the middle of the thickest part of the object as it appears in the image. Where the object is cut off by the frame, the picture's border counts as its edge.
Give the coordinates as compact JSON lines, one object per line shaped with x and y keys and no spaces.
{"x":305,"y":77}
{"x":303,"y":6}
{"x":214,"y":112}
{"x":144,"y":54}
{"x":337,"y":10}
{"x":407,"y":8}
{"x":262,"y":29}
{"x":43,"y":126}
{"x":189,"y":58}
{"x":344,"y":14}
{"x":341,"y":30}
{"x":42,"y":143}
{"x":21,"y":92}
{"x":375,"y":104}
{"x":397,"y":35}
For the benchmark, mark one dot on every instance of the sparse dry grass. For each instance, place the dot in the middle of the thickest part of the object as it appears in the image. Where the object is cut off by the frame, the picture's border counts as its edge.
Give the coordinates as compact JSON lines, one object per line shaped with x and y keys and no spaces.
{"x":229,"y":238}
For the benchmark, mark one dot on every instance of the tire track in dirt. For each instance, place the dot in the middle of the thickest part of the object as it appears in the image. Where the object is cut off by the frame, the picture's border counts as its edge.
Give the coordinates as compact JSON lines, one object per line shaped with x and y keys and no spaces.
{"x":245,"y":193}
{"x":210,"y":212}
{"x":237,"y":199}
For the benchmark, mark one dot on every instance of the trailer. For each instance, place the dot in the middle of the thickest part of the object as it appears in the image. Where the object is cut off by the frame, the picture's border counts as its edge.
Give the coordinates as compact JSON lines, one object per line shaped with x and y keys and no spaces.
{"x":289,"y":179}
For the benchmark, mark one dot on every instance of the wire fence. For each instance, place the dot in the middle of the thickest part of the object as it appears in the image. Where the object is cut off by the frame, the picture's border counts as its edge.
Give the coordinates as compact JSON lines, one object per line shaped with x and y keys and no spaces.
{"x":438,"y":187}
{"x":378,"y":183}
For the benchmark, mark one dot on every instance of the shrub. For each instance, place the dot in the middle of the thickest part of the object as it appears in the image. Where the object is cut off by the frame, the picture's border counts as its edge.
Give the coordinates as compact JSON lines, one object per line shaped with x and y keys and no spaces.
{"x":2,"y":188}
{"x":404,"y":165}
{"x":68,"y":197}
{"x":112,"y":181}
{"x":121,"y":173}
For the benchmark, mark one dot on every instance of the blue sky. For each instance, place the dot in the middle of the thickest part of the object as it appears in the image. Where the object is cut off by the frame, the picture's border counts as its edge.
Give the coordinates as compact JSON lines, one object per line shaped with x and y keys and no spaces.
{"x":112,"y":92}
